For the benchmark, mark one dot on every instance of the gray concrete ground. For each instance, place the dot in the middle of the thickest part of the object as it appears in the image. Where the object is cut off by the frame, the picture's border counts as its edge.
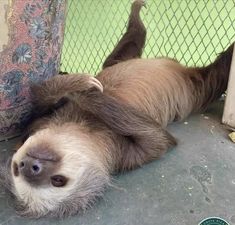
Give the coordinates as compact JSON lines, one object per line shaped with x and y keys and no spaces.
{"x":194,"y":181}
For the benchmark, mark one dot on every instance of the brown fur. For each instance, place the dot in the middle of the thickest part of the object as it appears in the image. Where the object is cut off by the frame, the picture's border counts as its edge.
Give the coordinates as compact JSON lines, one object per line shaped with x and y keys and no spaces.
{"x":117,"y":127}
{"x":132,"y":42}
{"x":141,"y":96}
{"x":164,"y":89}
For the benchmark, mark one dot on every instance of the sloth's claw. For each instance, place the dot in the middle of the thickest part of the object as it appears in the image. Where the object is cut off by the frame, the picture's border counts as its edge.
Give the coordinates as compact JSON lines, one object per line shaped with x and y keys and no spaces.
{"x":86,"y":81}
{"x":96,"y":83}
{"x":141,"y":2}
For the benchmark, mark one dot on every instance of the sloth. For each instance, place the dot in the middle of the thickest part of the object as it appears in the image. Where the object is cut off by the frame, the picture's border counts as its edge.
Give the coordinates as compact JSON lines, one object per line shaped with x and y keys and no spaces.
{"x":85,"y":129}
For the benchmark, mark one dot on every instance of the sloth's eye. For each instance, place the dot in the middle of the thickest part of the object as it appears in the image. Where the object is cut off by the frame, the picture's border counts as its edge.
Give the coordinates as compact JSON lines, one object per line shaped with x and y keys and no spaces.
{"x":58,"y":181}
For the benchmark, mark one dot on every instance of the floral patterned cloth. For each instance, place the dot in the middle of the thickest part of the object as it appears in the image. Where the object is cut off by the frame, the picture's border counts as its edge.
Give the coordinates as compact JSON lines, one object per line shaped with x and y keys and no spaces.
{"x":32,"y":54}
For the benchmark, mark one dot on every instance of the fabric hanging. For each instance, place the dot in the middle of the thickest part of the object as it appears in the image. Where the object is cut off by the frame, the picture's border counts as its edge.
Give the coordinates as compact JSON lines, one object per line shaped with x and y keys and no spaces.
{"x":30,"y":45}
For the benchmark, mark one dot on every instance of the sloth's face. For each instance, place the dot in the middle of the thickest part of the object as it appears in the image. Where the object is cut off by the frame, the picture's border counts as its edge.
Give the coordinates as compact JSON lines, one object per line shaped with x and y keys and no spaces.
{"x":57,"y":172}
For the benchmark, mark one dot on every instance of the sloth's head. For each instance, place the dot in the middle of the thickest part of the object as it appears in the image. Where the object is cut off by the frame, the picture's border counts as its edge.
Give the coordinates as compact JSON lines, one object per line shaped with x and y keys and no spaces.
{"x":58,"y":171}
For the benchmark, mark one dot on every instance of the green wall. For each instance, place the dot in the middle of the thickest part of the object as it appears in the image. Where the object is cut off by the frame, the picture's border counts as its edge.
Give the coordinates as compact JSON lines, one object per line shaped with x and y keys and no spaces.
{"x":193,"y":32}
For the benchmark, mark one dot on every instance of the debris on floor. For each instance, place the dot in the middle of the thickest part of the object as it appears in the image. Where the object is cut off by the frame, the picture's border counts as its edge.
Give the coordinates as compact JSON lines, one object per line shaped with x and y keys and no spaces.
{"x":212,"y":129}
{"x":232,"y":136}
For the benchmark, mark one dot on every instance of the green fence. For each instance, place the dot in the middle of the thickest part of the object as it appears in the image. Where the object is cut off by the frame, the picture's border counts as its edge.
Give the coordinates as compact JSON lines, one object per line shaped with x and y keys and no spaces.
{"x":191,"y":31}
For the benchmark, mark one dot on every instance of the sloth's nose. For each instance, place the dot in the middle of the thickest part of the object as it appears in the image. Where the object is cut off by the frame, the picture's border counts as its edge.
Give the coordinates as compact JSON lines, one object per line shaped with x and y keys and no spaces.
{"x":30,"y":167}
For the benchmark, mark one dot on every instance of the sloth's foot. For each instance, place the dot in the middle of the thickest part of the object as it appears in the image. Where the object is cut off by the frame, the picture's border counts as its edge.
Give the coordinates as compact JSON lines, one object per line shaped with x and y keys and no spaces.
{"x":140,"y":2}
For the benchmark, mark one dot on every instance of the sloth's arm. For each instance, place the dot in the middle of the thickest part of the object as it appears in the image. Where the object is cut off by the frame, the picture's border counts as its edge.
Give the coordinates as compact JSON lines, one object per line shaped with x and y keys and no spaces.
{"x":52,"y":90}
{"x":132,"y":42}
{"x":51,"y":94}
{"x":143,"y":138}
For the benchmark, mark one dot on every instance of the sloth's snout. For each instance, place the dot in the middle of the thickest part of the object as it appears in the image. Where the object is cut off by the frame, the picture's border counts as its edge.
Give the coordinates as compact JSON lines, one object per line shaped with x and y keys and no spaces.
{"x":30,"y":167}
{"x":37,"y":165}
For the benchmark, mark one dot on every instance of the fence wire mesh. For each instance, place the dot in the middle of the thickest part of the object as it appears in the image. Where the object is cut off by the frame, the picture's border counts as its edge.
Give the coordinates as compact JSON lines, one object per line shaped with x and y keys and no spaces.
{"x":193,"y":32}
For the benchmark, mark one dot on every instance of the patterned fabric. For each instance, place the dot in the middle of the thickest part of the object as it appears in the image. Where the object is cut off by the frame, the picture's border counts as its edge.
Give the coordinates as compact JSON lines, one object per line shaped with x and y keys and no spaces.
{"x":31,"y":54}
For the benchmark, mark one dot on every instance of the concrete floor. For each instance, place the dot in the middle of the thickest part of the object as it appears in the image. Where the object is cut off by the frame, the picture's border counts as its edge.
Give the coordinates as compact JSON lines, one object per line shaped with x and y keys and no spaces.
{"x":194,"y":181}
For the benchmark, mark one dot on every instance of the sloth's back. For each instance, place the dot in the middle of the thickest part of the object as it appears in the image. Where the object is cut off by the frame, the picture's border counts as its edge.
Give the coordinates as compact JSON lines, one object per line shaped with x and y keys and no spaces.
{"x":159,"y":87}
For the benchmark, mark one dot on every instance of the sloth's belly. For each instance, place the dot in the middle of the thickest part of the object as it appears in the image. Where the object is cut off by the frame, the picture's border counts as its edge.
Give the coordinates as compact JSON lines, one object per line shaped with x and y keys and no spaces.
{"x":155,"y":86}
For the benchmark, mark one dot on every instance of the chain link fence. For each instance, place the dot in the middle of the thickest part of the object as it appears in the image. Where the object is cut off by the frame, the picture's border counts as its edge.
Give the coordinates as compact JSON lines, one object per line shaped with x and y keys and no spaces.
{"x":191,"y":31}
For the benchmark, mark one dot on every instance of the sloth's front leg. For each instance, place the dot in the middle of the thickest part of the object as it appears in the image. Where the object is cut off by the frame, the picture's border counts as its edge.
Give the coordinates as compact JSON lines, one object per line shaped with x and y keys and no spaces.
{"x":142,"y":139}
{"x":52,"y":94}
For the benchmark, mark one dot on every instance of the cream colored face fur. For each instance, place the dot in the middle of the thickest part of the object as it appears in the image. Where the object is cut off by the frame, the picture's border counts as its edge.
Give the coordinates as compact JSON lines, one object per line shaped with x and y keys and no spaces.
{"x":78,"y":163}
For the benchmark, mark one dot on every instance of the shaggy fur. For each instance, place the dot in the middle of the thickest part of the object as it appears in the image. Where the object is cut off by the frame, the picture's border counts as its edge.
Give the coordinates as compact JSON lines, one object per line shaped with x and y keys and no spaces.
{"x":88,"y":128}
